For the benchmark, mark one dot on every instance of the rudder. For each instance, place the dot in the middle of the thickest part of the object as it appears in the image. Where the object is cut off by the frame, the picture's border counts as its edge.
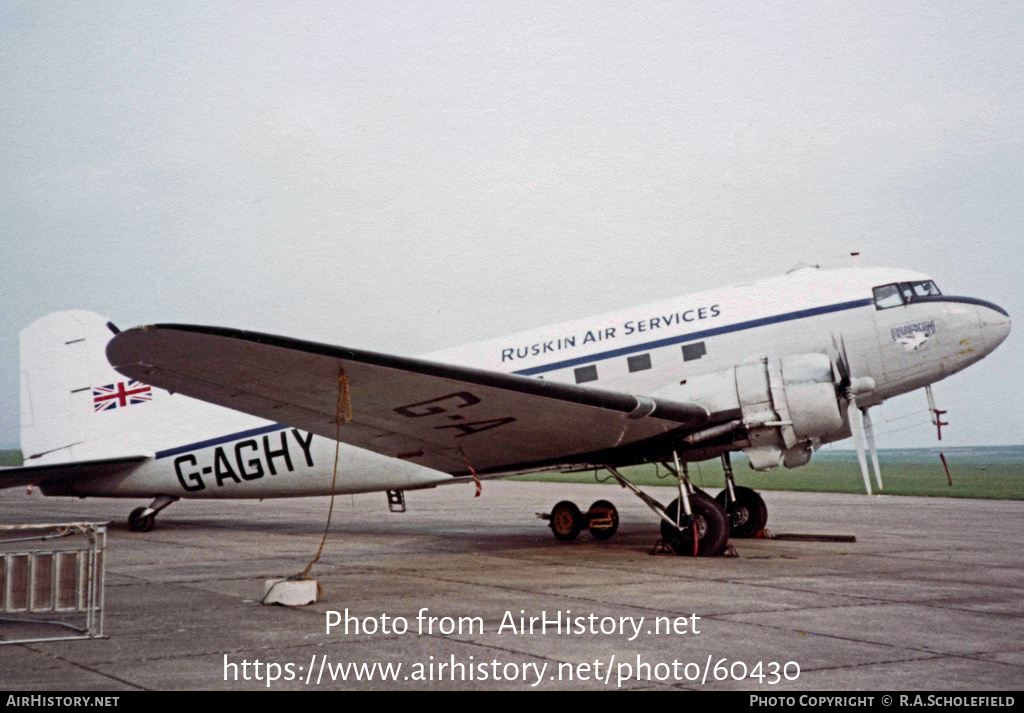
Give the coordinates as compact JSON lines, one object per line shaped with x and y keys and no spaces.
{"x":64,"y":379}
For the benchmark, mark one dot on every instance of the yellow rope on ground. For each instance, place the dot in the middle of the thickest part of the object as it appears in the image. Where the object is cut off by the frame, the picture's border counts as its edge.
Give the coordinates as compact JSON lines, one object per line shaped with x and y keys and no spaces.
{"x":343,"y":396}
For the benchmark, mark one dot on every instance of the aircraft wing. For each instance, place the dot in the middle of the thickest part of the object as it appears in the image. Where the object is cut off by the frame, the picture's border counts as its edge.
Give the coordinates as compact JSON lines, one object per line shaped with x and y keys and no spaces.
{"x":48,"y":473}
{"x":437,"y":415}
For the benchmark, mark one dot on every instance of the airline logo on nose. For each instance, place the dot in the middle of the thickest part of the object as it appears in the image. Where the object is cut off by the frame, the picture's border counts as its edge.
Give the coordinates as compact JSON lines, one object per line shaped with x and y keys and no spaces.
{"x":913,"y":336}
{"x":123,"y":393}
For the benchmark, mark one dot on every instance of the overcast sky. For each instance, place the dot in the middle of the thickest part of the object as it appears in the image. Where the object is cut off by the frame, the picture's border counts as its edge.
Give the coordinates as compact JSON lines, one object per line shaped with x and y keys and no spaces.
{"x":408,"y":176}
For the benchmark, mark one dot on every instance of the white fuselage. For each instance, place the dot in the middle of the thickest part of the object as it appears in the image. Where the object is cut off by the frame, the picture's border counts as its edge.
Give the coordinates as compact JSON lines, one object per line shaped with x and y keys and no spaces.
{"x":649,"y":351}
{"x":793,"y":314}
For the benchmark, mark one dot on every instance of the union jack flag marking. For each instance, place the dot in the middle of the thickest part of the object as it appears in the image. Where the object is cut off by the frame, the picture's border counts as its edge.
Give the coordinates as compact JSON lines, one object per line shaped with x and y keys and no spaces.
{"x":105,"y":398}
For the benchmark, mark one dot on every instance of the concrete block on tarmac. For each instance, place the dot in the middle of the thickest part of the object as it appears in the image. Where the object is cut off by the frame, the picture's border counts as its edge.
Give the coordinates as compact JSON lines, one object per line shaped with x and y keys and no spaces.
{"x":291,"y":592}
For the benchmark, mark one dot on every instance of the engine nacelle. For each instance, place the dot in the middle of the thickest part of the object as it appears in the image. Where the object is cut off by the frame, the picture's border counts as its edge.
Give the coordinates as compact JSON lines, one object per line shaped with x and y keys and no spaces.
{"x":783,"y":403}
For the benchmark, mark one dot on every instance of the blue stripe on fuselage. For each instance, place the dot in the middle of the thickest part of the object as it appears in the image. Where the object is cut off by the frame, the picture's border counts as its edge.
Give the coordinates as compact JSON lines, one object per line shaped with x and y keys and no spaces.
{"x":217,"y":441}
{"x":692,"y":336}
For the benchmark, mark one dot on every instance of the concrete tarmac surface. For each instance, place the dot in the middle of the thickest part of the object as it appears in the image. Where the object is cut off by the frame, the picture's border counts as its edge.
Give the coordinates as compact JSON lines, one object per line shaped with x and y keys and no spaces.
{"x":930,"y":597}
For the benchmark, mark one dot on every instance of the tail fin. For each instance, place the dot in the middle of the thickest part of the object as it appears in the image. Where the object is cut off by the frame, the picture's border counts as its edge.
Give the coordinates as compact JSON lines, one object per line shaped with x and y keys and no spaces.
{"x":61,"y":358}
{"x":74,"y":406}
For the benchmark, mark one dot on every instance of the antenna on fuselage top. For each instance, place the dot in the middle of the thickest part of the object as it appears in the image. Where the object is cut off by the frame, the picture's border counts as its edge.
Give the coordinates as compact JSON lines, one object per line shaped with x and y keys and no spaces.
{"x":856,"y":259}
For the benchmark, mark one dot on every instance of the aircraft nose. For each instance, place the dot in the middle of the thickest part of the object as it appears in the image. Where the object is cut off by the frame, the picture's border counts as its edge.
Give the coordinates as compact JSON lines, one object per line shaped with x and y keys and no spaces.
{"x":995,"y":324}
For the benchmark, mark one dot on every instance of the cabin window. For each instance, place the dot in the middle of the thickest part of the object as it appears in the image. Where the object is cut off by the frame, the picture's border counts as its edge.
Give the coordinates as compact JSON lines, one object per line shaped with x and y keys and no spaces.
{"x":694,"y":351}
{"x":640,"y":362}
{"x":586,"y":373}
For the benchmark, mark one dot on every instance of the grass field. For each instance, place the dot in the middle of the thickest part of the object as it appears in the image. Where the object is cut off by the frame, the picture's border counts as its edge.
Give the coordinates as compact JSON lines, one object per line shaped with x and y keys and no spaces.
{"x":993,"y":473}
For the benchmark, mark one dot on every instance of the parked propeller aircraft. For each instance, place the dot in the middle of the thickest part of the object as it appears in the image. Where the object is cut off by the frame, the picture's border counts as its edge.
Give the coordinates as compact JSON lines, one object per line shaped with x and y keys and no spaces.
{"x":774,"y":368}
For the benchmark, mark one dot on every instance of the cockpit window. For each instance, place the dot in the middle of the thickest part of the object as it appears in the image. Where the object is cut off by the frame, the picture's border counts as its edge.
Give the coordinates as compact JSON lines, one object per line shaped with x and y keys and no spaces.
{"x":925,"y":289}
{"x":903,"y":293}
{"x":887,"y":296}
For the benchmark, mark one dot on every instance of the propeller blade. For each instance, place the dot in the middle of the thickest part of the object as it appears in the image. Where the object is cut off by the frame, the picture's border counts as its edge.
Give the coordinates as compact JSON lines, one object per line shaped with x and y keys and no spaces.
{"x":857,"y":428}
{"x":841,"y":362}
{"x":847,"y":387}
{"x":870,"y":433}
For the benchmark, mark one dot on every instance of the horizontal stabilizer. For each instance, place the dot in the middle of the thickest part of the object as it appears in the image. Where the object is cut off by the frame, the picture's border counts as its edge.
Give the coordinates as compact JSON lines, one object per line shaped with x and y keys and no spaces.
{"x":49,"y":473}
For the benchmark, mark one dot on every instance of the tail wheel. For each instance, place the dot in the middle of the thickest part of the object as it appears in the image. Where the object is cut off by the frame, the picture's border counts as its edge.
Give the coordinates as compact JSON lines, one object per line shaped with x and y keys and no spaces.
{"x":602,"y":520}
{"x":748,"y":515}
{"x":139,"y":523}
{"x":705,"y":535}
{"x":566,"y":521}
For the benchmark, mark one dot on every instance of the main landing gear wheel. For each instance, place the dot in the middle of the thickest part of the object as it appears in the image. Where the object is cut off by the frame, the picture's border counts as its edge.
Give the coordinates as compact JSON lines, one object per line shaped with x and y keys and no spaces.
{"x":602,"y":520}
{"x":705,"y":535}
{"x":139,"y":523}
{"x":749,"y":514}
{"x":566,"y":521}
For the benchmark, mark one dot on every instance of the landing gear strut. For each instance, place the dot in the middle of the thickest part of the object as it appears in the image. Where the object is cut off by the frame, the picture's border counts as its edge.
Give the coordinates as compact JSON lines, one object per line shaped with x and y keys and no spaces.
{"x":705,"y":532}
{"x":701,"y":529}
{"x":745,"y":508}
{"x":143,"y":519}
{"x":694,"y":524}
{"x":747,"y":513}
